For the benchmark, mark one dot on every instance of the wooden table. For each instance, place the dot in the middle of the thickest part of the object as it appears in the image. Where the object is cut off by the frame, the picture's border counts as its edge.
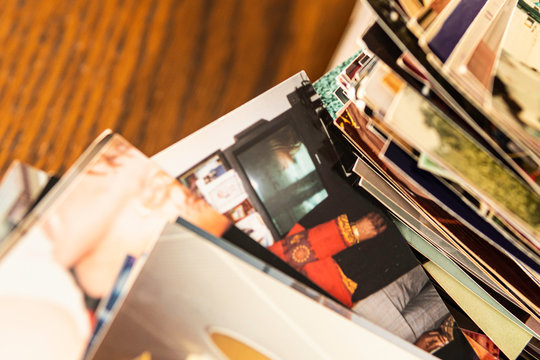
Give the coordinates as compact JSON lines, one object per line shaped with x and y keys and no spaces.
{"x":152,"y":70}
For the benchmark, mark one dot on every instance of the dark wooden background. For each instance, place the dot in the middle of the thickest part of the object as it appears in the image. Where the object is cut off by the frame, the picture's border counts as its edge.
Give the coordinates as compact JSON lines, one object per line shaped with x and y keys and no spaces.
{"x":153,"y":70}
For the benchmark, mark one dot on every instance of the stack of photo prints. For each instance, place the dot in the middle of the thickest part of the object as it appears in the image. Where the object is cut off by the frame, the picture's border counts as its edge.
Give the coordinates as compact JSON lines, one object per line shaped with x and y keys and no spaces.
{"x":389,"y":210}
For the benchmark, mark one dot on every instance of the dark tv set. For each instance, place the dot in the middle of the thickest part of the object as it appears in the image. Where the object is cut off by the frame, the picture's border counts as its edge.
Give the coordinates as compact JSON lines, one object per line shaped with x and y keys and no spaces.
{"x":282,"y":174}
{"x":279,"y":167}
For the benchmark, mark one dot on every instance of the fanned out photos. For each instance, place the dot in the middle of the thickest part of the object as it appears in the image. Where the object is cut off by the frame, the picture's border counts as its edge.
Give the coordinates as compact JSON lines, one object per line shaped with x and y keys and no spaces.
{"x":469,"y":51}
{"x":102,"y":216}
{"x":389,"y":210}
{"x":426,"y":179}
{"x":293,"y":178}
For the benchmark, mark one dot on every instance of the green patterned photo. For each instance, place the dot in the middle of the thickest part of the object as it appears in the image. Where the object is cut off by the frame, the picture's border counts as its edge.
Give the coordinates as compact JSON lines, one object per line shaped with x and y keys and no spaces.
{"x":426,"y":127}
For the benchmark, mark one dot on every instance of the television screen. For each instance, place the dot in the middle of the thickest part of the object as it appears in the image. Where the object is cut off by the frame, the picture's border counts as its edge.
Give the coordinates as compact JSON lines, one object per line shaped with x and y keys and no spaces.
{"x":283,"y":175}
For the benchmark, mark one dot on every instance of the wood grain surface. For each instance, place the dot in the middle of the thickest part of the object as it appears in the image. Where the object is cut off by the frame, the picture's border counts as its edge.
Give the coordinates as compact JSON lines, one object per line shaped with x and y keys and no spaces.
{"x":153,"y":70}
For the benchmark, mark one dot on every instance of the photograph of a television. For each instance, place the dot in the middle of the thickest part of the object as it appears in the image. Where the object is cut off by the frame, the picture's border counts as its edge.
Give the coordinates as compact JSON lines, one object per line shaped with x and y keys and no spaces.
{"x":281,"y":165}
{"x":288,"y":172}
{"x":278,"y":172}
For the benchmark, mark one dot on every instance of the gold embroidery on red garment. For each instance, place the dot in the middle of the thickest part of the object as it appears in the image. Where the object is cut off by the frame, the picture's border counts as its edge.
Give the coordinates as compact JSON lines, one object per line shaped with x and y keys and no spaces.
{"x":345,"y":230}
{"x":349,"y":284}
{"x":300,"y":254}
{"x":297,"y":249}
{"x":296,"y":239}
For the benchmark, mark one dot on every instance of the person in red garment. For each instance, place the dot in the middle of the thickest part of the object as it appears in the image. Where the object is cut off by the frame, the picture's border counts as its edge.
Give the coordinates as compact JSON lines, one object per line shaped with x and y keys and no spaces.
{"x":359,"y":257}
{"x":310,"y":251}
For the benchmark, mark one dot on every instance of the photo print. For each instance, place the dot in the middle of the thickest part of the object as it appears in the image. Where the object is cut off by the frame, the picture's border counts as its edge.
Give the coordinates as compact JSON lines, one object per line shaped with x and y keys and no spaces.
{"x":336,"y":235}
